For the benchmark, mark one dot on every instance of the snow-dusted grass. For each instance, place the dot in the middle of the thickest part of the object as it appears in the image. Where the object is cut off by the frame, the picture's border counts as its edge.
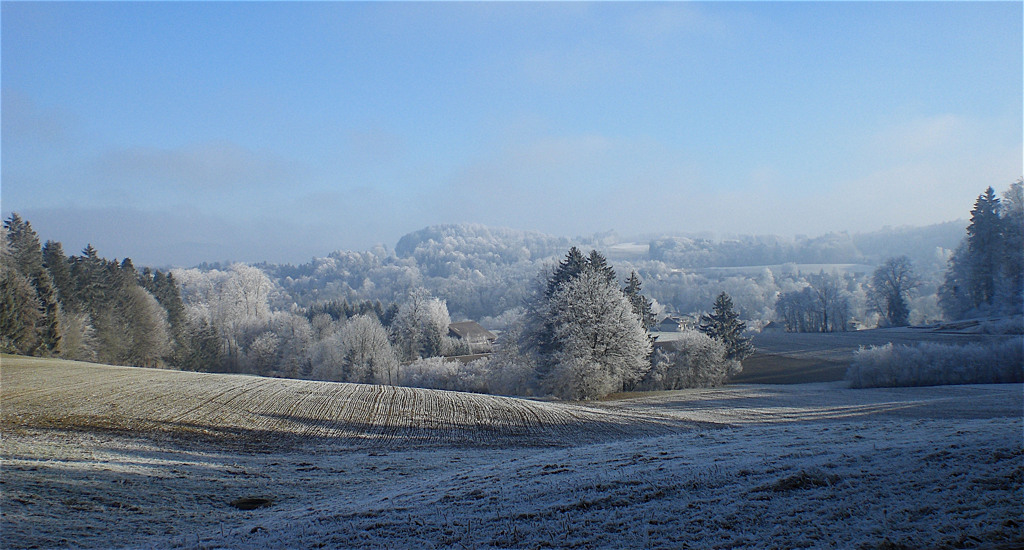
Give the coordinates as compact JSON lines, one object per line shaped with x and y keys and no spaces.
{"x":929,"y":364}
{"x":735,"y":467}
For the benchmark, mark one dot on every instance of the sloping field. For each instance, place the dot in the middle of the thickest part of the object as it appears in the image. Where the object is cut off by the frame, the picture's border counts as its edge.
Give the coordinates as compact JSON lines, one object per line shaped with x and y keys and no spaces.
{"x":107,"y":457}
{"x":46,"y":393}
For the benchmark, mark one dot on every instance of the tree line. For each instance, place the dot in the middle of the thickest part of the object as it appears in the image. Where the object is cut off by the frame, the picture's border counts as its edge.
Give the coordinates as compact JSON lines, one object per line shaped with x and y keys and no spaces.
{"x":88,"y":308}
{"x":575,"y":331}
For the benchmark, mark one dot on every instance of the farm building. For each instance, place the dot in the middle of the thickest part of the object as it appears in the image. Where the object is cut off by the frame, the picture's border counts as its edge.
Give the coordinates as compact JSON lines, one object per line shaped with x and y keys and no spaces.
{"x":470,"y":332}
{"x":668,"y":324}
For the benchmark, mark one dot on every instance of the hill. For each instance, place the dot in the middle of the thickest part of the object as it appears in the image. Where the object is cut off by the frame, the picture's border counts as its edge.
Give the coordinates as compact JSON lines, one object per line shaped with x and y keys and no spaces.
{"x":252,"y":410}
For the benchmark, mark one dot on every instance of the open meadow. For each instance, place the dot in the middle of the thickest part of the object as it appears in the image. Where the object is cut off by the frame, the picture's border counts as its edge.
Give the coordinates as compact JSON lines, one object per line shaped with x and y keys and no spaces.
{"x":106,"y":457}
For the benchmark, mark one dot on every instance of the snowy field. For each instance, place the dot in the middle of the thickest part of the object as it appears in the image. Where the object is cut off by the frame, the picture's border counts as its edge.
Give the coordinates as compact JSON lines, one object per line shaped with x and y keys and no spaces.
{"x":117,"y":457}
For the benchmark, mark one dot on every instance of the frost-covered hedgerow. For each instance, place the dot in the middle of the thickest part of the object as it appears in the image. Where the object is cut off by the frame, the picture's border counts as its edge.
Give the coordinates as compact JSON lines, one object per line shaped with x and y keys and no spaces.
{"x":440,"y":373}
{"x":932,"y":364}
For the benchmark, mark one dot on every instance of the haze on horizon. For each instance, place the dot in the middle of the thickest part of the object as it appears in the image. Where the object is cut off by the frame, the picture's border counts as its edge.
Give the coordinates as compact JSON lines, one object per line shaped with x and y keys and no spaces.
{"x":176,"y":133}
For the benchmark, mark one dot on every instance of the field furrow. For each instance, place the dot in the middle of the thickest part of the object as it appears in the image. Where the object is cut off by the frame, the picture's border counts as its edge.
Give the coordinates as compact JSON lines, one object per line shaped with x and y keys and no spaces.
{"x":271,"y":411}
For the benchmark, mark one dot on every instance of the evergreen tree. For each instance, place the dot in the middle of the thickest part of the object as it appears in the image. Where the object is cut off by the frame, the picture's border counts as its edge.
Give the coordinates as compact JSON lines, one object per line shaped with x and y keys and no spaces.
{"x":723,"y":323}
{"x":19,"y":313}
{"x":569,"y":268}
{"x":597,"y":263}
{"x":641,"y":305}
{"x":954,"y":298}
{"x":25,"y":254}
{"x":984,"y":240}
{"x":1012,"y":214}
{"x":202,"y":348}
{"x":60,"y":272}
{"x":986,"y":273}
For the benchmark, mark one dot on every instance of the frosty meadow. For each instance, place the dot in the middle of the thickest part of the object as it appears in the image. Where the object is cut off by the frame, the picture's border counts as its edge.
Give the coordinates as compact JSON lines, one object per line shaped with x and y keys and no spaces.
{"x":352,"y":466}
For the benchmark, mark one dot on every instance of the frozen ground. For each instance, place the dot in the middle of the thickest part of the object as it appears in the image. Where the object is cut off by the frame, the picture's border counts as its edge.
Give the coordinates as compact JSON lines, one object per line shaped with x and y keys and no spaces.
{"x":811,"y":465}
{"x":790,"y":358}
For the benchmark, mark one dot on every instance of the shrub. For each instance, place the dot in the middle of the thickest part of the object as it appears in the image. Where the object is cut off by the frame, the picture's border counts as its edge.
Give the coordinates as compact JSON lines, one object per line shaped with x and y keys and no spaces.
{"x":933,"y":364}
{"x":442,"y":374}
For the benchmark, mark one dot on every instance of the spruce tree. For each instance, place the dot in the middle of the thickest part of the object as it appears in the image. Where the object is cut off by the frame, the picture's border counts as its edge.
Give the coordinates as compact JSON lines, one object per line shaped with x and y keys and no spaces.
{"x":60,"y":272}
{"x":723,"y":323}
{"x":597,"y":263}
{"x":984,"y":239}
{"x":25,"y":254}
{"x":19,"y":313}
{"x":569,"y":268}
{"x":641,"y":305}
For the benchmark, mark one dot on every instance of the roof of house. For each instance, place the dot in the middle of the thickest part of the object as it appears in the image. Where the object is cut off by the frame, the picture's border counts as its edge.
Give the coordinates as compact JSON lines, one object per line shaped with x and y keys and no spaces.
{"x":471,"y":330}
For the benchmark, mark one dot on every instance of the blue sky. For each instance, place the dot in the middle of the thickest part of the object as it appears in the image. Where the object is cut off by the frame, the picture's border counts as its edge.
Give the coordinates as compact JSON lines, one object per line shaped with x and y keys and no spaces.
{"x":175,"y":133}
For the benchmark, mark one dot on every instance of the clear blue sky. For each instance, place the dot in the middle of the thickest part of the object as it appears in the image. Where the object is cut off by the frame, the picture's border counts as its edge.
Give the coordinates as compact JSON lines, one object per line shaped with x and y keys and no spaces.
{"x":180,"y":132}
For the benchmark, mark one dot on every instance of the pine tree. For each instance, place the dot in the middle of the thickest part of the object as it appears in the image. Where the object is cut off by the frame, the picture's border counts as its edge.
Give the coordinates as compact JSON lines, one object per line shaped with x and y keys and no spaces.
{"x":19,"y":313}
{"x":986,"y":273}
{"x":723,"y":323}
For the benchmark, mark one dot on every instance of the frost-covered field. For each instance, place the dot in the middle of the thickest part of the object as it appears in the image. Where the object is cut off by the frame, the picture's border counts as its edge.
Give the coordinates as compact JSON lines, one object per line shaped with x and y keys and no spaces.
{"x":113,"y":457}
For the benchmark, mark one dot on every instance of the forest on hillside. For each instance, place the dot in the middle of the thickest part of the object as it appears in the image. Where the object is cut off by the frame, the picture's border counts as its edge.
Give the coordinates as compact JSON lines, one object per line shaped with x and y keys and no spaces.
{"x":383,"y":315}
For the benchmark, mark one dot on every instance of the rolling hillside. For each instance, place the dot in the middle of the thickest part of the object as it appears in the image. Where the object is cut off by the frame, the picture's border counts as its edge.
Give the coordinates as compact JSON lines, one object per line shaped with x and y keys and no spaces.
{"x":50,"y":393}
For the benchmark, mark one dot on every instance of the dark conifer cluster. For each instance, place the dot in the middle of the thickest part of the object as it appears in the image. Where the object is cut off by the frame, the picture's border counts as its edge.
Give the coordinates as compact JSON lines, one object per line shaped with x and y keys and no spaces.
{"x":90,"y":308}
{"x":986,"y":273}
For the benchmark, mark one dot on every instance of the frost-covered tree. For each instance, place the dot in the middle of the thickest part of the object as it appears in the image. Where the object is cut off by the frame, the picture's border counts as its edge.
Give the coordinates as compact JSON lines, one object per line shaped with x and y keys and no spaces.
{"x":1011,"y":291}
{"x":603,"y":346}
{"x":261,"y":356}
{"x":823,"y":305}
{"x":984,"y":246}
{"x":421,"y":325}
{"x":890,"y":288}
{"x":367,"y":355}
{"x":25,"y":255}
{"x":78,"y":339}
{"x":234,"y":303}
{"x":984,"y":275}
{"x":569,"y":268}
{"x":694,"y":360}
{"x":146,"y":330}
{"x":19,"y":312}
{"x":512,"y":370}
{"x":724,"y":325}
{"x":295,"y":337}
